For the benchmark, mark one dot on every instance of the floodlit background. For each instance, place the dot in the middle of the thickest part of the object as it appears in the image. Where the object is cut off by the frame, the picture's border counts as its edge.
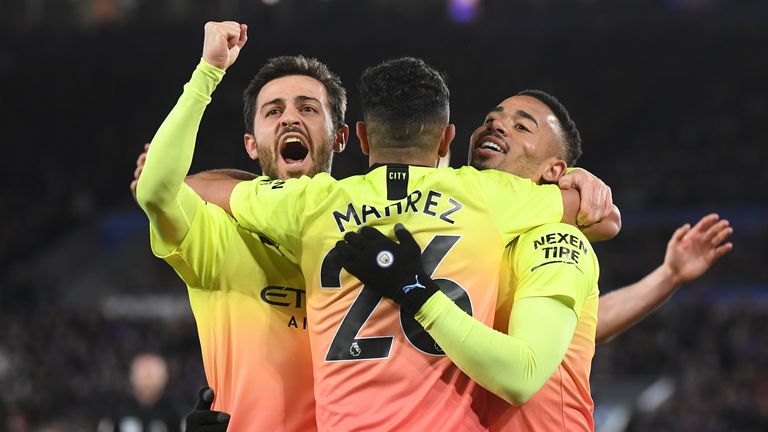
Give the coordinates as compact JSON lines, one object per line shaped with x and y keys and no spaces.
{"x":671,"y":97}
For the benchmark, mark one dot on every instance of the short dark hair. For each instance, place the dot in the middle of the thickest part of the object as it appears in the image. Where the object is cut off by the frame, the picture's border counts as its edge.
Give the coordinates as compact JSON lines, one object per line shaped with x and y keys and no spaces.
{"x":279,"y":67}
{"x":571,"y":135}
{"x":401,"y":98}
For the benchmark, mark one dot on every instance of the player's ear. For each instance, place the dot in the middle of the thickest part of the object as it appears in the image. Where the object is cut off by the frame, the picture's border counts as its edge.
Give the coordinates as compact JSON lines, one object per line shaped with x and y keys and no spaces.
{"x":449,"y":133}
{"x":340,"y":141}
{"x":555,"y":169}
{"x":362,"y":136}
{"x":250,"y":146}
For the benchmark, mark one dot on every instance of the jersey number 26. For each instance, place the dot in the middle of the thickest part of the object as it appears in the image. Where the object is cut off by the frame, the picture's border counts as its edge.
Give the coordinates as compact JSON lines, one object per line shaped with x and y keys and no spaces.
{"x":346,"y":345}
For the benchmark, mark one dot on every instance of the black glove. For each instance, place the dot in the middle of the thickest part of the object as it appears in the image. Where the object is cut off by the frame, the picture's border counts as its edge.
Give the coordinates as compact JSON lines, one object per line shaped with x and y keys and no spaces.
{"x":392,"y":269}
{"x":202,"y":419}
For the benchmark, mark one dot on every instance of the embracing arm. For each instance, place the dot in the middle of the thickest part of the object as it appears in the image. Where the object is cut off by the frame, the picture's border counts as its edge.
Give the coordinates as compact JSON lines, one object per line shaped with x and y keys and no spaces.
{"x":220,"y":174}
{"x":690,"y":253}
{"x":596,"y":215}
{"x":215,"y":186}
{"x":513,"y":366}
{"x":606,"y":228}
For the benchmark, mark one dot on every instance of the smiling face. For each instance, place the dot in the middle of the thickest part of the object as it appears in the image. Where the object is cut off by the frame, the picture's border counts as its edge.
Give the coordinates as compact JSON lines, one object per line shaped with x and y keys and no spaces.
{"x":520,"y":136}
{"x":292,"y":129}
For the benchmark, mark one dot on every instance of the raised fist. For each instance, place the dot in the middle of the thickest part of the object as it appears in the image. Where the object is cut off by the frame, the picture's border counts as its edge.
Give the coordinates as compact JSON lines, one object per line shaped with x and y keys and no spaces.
{"x":223,"y":41}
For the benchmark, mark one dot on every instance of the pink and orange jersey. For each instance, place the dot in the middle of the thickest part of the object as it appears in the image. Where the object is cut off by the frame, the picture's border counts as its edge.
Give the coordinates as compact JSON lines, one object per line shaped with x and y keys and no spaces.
{"x":552,"y":260}
{"x":250,"y":307}
{"x":375,"y":368}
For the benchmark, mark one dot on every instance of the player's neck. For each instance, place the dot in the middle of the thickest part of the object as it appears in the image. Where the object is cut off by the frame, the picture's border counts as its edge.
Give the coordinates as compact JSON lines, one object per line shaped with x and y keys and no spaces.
{"x":402,"y":157}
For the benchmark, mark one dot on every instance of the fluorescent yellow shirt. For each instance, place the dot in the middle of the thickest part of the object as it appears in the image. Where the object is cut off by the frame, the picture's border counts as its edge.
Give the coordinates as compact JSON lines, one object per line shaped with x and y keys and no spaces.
{"x":374,"y":368}
{"x":552,"y":261}
{"x":250,"y":307}
{"x":247,"y":298}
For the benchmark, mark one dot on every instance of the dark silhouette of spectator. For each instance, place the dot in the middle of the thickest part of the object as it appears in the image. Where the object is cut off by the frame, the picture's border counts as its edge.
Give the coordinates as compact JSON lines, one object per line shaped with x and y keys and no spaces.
{"x":148,"y":408}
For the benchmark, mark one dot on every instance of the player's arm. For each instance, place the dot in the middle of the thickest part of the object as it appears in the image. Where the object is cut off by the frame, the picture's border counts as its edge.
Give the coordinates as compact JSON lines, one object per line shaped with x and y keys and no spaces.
{"x":160,"y":190}
{"x":596,"y":215}
{"x":519,"y":205}
{"x":215,"y":186}
{"x":220,"y":174}
{"x":690,"y":253}
{"x":514,"y":365}
{"x":139,"y":168}
{"x":605,"y":228}
{"x":207,"y":184}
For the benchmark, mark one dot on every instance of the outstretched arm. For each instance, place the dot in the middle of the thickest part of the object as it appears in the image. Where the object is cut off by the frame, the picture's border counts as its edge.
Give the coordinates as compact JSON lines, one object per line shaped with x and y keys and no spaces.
{"x":160,"y":190}
{"x":690,"y":253}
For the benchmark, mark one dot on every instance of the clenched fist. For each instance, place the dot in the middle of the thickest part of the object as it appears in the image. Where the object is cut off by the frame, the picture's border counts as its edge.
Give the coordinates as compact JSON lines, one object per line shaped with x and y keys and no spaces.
{"x":223,"y":41}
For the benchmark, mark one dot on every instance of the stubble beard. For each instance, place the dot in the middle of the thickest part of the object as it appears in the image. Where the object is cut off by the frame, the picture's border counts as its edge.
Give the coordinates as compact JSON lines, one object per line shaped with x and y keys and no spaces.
{"x":322,"y":158}
{"x":520,"y":166}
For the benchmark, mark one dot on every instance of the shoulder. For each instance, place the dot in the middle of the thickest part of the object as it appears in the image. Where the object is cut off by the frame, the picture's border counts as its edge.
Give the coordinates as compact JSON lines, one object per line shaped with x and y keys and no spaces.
{"x":555,"y":242}
{"x":491,"y":174}
{"x":322,"y":178}
{"x":554,"y":260}
{"x":501,"y":181}
{"x":555,"y":233}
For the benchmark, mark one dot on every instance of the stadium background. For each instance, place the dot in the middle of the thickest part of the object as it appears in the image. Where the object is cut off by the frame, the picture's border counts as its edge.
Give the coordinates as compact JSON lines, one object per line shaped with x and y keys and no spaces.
{"x":671,"y":98}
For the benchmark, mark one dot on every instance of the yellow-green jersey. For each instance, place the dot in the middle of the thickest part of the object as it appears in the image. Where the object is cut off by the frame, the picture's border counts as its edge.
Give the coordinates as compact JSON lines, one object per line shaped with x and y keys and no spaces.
{"x":552,"y":261}
{"x":247,"y":298}
{"x":375,"y":368}
{"x":249,"y":305}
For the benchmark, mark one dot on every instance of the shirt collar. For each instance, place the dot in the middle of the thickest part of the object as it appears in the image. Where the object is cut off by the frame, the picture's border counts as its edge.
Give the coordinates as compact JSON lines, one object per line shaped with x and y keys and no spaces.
{"x":378,"y":165}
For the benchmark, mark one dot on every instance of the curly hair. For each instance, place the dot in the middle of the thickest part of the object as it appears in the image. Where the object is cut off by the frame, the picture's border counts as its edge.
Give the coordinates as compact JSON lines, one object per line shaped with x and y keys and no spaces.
{"x":405,"y":102}
{"x":279,"y":67}
{"x":571,"y":136}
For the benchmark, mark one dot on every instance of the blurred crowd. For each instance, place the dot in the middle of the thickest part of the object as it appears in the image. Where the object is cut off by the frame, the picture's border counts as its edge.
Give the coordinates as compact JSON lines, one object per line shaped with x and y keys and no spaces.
{"x":671,"y":103}
{"x":74,"y":372}
{"x":69,"y":372}
{"x":671,"y":114}
{"x":96,"y":13}
{"x":715,"y":353}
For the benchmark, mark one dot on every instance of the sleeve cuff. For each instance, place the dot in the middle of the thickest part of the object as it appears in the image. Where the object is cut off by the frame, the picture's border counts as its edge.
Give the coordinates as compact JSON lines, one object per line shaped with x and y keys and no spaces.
{"x":204,"y":80}
{"x":431,"y":310}
{"x":212,"y":71}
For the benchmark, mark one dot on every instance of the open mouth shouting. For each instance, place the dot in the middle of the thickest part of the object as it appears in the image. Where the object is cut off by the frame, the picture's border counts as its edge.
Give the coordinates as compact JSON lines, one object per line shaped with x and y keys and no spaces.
{"x":294,"y":150}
